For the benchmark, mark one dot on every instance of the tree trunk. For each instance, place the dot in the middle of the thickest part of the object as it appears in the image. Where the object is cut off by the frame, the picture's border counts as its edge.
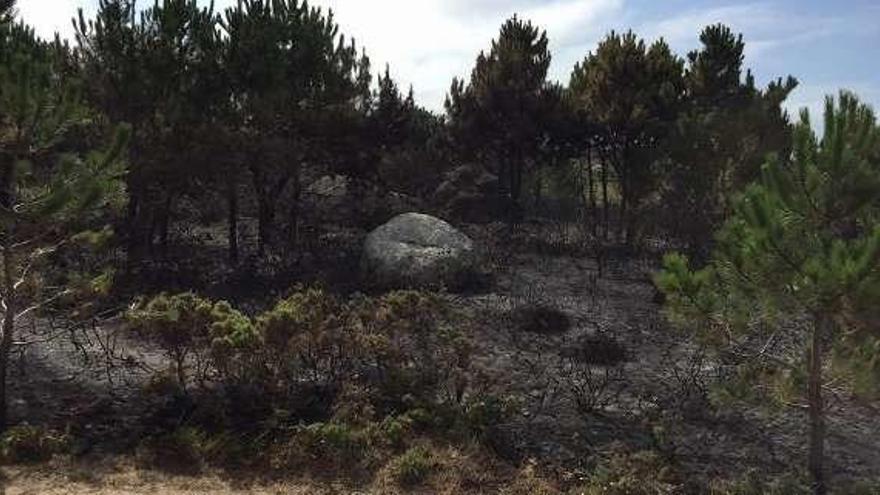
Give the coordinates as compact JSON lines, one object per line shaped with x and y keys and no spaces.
{"x":5,"y":348}
{"x":605,"y":196}
{"x":264,"y":223}
{"x":264,"y":209}
{"x":623,"y":180}
{"x":8,"y":327}
{"x":7,"y":291}
{"x":592,"y":193}
{"x":232,"y":220}
{"x":132,"y":230}
{"x":165,"y":223}
{"x":817,"y":406}
{"x":295,"y":209}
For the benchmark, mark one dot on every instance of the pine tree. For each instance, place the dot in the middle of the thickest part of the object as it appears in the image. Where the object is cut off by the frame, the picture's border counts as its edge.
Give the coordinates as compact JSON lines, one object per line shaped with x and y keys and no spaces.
{"x":634,"y":92}
{"x":499,"y":117}
{"x":392,"y":114}
{"x":800,"y":256}
{"x":725,"y":130}
{"x":300,"y":91}
{"x":47,"y":190}
{"x":404,"y":139}
{"x":159,"y":72}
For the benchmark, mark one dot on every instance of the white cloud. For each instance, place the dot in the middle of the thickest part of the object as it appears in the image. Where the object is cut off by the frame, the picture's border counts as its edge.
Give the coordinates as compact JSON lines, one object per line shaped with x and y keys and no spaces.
{"x":428,"y":42}
{"x":51,"y":16}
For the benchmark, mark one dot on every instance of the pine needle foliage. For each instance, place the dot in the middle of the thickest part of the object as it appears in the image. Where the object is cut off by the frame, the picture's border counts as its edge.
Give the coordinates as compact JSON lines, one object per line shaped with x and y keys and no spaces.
{"x":800,"y":257}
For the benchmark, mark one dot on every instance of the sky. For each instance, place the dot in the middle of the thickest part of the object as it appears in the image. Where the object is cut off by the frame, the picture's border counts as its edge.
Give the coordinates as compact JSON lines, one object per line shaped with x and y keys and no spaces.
{"x":826,"y":45}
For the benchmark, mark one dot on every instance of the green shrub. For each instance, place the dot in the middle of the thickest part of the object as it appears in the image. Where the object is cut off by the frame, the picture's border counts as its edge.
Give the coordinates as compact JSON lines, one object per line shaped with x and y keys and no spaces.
{"x":319,"y":358}
{"x":31,"y":444}
{"x":413,"y":467}
{"x":859,"y":488}
{"x":178,"y":323}
{"x":640,"y":473}
{"x":185,"y":449}
{"x":486,"y":412}
{"x":334,"y":440}
{"x":752,"y":483}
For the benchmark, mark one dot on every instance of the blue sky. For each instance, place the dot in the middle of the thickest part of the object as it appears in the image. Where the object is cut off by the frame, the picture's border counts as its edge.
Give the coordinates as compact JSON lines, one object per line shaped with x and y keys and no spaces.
{"x":826,"y":45}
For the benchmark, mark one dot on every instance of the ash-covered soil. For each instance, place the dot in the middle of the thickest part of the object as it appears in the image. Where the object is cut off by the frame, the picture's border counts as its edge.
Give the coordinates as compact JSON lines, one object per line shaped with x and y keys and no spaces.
{"x":611,"y":372}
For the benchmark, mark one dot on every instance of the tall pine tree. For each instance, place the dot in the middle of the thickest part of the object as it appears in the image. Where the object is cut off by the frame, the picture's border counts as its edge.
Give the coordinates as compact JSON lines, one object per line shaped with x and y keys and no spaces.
{"x":722,"y":136}
{"x":500,"y":116}
{"x":633,"y":91}
{"x":300,"y":91}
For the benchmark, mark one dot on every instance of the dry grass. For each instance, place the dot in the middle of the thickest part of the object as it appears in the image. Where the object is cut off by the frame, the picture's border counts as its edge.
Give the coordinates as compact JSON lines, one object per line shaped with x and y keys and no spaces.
{"x":453,"y":471}
{"x":125,"y":478}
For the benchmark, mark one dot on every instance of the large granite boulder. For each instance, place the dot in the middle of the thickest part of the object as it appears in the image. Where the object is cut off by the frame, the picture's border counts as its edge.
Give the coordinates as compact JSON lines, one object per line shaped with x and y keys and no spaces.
{"x":417,"y":250}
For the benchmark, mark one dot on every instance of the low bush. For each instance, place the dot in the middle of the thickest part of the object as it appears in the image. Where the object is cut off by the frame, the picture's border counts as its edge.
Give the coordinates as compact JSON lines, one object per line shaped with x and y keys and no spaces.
{"x":540,"y":318}
{"x":638,"y":473}
{"x":751,"y":483}
{"x":350,"y":369}
{"x":182,"y":449}
{"x":31,"y":444}
{"x":599,"y":350}
{"x":413,"y":467}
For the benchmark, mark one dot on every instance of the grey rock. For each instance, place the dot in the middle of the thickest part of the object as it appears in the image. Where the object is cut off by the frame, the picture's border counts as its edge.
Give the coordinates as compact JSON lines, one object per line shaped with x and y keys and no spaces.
{"x":418,"y":250}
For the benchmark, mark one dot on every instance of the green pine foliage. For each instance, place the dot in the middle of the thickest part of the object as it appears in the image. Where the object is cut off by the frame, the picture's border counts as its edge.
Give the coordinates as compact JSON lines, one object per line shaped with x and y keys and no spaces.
{"x":633,"y":91}
{"x":722,"y":135}
{"x":798,"y":257}
{"x":500,"y":116}
{"x":48,"y":189}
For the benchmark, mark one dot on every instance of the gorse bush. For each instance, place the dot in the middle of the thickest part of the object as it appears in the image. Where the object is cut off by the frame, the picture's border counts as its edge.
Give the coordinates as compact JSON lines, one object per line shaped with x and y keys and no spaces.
{"x":313,"y":354}
{"x":189,"y":328}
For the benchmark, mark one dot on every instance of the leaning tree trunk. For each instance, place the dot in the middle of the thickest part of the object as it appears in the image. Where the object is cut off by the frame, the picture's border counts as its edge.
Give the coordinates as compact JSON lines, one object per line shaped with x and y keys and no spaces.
{"x":817,"y":407}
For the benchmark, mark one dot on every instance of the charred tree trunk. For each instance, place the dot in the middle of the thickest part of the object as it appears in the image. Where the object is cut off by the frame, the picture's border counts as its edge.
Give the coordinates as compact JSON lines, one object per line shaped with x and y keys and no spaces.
{"x":604,"y":179}
{"x":232,"y":219}
{"x":295,"y":210}
{"x":817,"y":407}
{"x":265,"y":219}
{"x":264,"y":209}
{"x":132,"y":228}
{"x":591,"y":194}
{"x":165,"y":223}
{"x":8,"y":325}
{"x":267,"y":197}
